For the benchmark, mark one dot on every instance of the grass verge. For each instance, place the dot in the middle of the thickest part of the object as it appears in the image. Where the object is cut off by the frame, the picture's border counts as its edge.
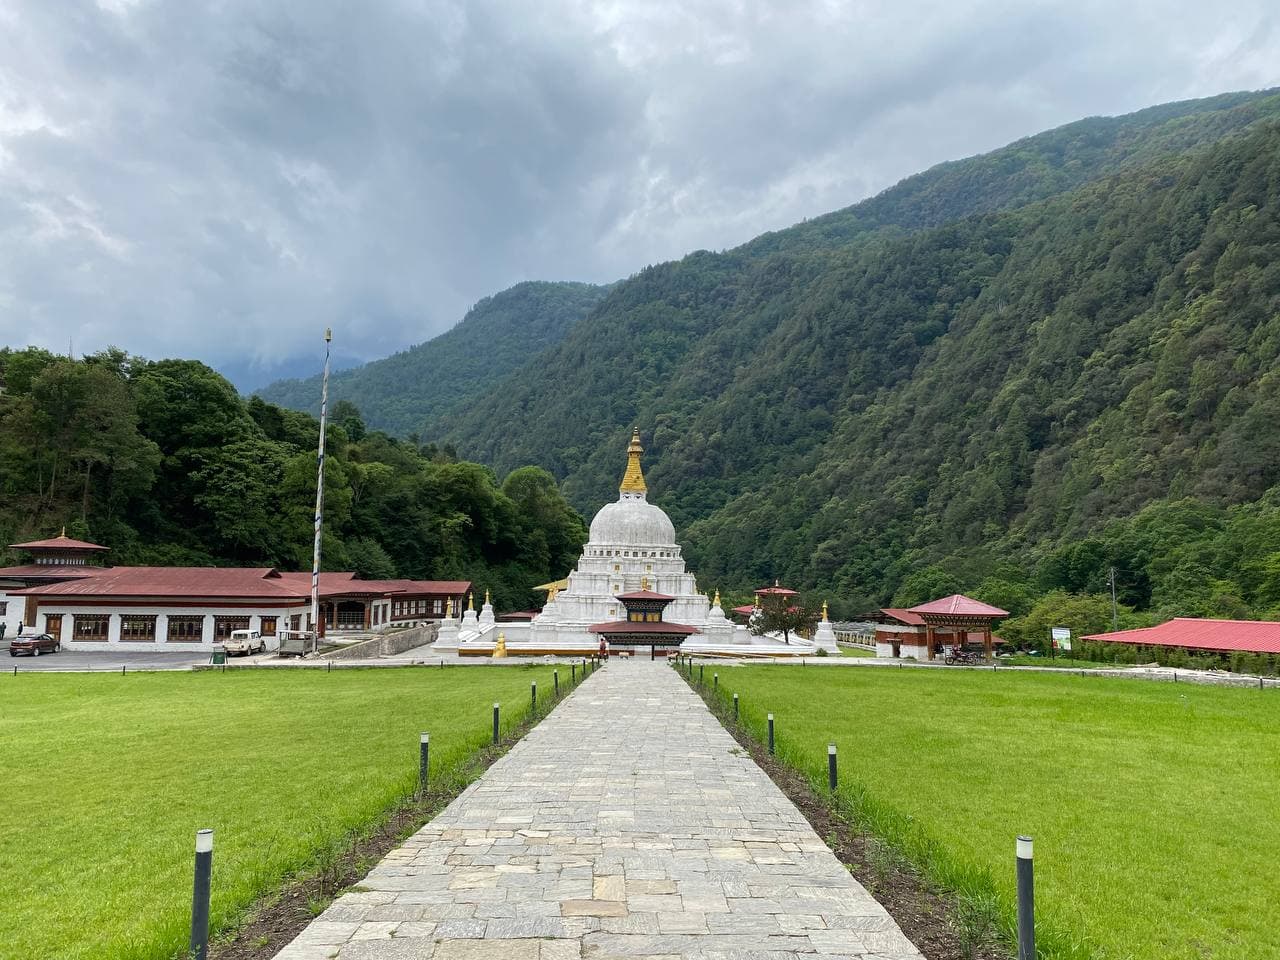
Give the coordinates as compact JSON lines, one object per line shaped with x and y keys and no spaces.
{"x":1152,"y":805}
{"x":104,"y":780}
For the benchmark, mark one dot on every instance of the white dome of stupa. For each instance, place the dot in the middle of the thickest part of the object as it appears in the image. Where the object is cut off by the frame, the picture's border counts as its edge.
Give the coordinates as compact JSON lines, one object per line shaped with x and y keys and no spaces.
{"x":632,"y":522}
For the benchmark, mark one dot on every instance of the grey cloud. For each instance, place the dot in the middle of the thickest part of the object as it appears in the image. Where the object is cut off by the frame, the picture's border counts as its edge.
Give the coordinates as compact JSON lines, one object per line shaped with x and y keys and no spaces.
{"x":224,"y":180}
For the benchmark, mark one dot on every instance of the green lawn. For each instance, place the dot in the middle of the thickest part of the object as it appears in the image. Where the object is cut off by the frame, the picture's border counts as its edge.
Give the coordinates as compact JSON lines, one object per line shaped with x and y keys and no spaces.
{"x":105,"y":779}
{"x":856,"y":652}
{"x":1153,"y":806}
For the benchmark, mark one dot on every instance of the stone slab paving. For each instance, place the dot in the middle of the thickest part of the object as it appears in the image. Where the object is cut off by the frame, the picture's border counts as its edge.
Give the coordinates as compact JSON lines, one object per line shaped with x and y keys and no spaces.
{"x":626,"y":824}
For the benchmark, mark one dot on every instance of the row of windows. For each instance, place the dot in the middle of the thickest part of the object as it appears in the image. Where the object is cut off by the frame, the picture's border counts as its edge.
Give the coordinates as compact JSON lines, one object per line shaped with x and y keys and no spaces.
{"x":409,"y":608}
{"x":139,"y":628}
{"x":668,"y":554}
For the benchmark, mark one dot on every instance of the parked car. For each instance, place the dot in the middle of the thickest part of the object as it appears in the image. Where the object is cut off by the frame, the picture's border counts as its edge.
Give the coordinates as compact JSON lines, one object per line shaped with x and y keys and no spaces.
{"x":244,"y":641}
{"x":34,"y":644}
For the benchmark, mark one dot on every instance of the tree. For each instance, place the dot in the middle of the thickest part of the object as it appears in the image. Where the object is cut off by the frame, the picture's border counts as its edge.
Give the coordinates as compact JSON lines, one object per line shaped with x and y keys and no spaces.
{"x":931,"y":583}
{"x":785,"y":615}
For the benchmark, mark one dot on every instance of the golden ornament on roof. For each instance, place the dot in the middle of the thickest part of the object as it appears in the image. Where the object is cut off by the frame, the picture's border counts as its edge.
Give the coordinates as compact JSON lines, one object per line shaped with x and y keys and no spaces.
{"x":471,"y":600}
{"x":633,"y":479}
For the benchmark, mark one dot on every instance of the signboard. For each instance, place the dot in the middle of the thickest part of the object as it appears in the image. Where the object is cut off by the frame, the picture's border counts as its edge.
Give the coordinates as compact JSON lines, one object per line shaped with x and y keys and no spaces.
{"x":1061,"y":638}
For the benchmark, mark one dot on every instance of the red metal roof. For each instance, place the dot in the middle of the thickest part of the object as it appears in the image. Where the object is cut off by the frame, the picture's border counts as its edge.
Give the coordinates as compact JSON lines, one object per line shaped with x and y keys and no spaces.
{"x":903,"y":615}
{"x":348,"y":584}
{"x":1248,"y":636}
{"x":627,"y":626}
{"x":776,"y":590}
{"x":746,"y":610}
{"x":48,"y":571}
{"x":643,"y":595}
{"x":257,"y":583}
{"x":57,"y":543}
{"x":960,"y":606}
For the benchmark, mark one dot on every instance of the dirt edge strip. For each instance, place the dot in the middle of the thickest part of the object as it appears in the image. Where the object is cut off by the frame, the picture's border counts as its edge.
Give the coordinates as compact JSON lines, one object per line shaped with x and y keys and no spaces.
{"x":274,"y":920}
{"x":941,"y":926}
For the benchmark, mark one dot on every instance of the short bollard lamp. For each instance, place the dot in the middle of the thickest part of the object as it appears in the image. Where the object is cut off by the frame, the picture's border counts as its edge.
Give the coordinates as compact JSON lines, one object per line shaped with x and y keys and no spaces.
{"x":1026,"y":901}
{"x":424,"y":757}
{"x":200,"y":895}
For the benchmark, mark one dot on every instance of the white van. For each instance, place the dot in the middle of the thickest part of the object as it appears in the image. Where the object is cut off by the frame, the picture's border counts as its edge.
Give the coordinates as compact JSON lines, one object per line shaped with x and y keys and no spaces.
{"x":244,"y":641}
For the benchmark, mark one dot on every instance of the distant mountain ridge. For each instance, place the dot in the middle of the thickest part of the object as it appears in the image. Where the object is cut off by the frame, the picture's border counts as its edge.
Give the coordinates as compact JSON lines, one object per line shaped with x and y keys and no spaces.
{"x":992,"y":359}
{"x":401,"y":393}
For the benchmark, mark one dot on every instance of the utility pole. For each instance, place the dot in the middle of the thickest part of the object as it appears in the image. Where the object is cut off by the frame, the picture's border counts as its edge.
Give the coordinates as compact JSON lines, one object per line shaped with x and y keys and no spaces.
{"x":1115,"y":622}
{"x":315,"y":557}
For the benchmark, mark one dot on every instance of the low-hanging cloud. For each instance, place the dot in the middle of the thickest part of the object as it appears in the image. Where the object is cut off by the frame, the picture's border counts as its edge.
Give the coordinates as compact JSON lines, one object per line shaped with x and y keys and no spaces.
{"x":224,"y":180}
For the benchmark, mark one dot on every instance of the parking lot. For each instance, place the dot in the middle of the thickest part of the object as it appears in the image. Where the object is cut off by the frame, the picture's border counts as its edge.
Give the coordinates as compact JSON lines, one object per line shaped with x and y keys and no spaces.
{"x":91,"y":662}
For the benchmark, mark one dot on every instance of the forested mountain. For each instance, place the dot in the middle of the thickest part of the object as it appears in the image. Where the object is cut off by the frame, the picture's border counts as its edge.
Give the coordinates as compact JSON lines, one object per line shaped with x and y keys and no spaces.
{"x":402,"y":392}
{"x":957,"y":380}
{"x":165,"y":463}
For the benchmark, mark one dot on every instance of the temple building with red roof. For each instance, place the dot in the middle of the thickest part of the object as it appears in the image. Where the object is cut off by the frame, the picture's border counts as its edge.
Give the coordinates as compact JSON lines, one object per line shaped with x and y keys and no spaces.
{"x":920,"y":631}
{"x":64,"y":591}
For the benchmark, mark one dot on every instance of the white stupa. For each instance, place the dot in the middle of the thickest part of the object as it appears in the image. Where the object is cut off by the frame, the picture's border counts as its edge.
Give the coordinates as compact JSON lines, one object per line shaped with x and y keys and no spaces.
{"x":631,"y":547}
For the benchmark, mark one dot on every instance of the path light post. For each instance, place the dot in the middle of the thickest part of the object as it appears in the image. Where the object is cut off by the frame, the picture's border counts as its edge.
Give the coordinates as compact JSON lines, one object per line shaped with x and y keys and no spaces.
{"x":1026,"y":902}
{"x":831,"y":766}
{"x":735,"y":708}
{"x":495,"y":723}
{"x":533,"y":697}
{"x":573,"y":674}
{"x":715,"y":681}
{"x":424,"y":755}
{"x":200,"y":895}
{"x":555,"y":679}
{"x":771,"y":734}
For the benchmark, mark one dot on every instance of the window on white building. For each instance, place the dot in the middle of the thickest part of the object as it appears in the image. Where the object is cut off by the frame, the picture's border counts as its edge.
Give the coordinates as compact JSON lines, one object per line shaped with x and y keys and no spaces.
{"x":137,"y":629}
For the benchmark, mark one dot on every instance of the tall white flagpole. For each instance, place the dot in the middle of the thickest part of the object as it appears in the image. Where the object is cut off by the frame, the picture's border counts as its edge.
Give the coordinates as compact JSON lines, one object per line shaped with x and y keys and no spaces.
{"x":315,"y":557}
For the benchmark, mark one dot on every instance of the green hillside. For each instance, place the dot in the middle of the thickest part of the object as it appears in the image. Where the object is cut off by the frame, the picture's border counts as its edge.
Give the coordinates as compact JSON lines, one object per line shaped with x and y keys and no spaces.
{"x":164,"y":463}
{"x":400,"y":393}
{"x":986,"y":363}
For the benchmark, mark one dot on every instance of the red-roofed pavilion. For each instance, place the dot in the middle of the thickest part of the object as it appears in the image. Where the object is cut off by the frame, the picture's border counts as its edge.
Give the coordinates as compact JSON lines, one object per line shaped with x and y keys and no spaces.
{"x":961,"y":615}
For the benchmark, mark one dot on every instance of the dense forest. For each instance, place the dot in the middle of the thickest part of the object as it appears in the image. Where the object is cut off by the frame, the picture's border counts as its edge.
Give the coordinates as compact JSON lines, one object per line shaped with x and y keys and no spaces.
{"x":403,"y":392}
{"x":165,"y":463}
{"x":1007,"y":375}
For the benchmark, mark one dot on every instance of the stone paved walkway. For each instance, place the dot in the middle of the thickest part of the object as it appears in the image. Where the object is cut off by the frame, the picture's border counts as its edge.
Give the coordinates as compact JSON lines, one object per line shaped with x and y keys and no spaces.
{"x":626,"y":824}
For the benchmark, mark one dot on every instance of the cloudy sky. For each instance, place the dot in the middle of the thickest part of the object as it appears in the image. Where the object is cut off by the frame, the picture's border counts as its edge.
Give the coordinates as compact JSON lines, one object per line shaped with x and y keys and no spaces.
{"x":222,"y":180}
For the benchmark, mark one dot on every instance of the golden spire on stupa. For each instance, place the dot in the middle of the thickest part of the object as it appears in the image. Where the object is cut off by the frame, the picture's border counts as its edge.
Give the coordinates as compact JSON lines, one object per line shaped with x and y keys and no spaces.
{"x":471,"y":600}
{"x":633,"y":479}
{"x":716,"y":601}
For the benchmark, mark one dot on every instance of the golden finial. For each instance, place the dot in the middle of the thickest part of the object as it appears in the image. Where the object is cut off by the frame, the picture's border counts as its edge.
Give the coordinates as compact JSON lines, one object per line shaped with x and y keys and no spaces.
{"x":633,"y":479}
{"x":486,"y":595}
{"x":644,"y":583}
{"x":824,"y":610}
{"x":448,"y":608}
{"x":64,"y":530}
{"x":471,"y":600}
{"x":716,"y":601}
